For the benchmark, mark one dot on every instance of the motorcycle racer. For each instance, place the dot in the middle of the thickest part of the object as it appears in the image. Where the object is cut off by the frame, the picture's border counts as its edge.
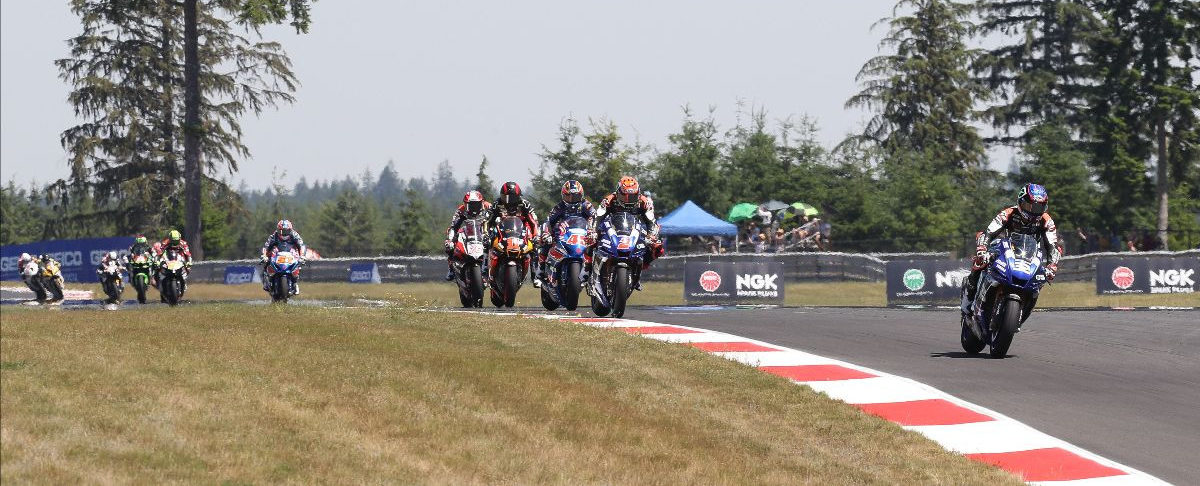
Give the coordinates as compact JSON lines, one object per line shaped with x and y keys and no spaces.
{"x":110,"y":257}
{"x":24,"y":260}
{"x":510,"y":203}
{"x":573,"y":203}
{"x":1028,"y":216}
{"x":473,"y":207}
{"x":628,"y":198}
{"x":284,"y":238}
{"x":174,"y":242}
{"x":139,"y":247}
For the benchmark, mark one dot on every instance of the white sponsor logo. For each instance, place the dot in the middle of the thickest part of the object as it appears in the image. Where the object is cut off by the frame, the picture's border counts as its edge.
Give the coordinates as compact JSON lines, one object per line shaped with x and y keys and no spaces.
{"x":360,"y":276}
{"x":1172,"y":281}
{"x":757,"y":282}
{"x":239,"y":277}
{"x":953,"y":278}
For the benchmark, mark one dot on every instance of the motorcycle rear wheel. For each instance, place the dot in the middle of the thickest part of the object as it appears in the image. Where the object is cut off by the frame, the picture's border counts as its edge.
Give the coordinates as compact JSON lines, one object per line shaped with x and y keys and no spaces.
{"x":970,"y":343}
{"x":1006,"y":328}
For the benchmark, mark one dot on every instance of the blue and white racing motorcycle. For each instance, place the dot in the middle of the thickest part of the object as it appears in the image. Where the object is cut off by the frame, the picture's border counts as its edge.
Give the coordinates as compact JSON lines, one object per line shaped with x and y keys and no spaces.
{"x":616,"y":263}
{"x":564,"y":262}
{"x":1006,"y":294}
{"x":283,"y":268}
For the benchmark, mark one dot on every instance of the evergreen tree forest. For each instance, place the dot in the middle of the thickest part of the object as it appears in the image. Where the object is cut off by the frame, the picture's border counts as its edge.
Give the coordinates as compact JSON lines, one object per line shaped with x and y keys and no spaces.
{"x":1098,"y":100}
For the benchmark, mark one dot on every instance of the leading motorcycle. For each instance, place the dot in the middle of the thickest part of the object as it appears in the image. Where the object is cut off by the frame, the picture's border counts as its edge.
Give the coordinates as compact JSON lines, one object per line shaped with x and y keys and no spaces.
{"x":283,"y":268}
{"x":111,"y":281}
{"x":172,"y":273}
{"x":469,"y":248}
{"x":509,"y":263}
{"x":616,"y":263}
{"x":565,"y":262}
{"x":44,"y":279}
{"x":1007,"y":292}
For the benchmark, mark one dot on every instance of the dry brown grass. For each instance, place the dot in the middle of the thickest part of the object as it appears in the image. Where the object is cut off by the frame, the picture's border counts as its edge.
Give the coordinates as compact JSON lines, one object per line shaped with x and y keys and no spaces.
{"x":240,"y":394}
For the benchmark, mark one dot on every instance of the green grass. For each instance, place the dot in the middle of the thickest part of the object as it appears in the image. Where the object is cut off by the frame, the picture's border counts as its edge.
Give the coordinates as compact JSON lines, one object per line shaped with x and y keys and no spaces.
{"x":235,"y":394}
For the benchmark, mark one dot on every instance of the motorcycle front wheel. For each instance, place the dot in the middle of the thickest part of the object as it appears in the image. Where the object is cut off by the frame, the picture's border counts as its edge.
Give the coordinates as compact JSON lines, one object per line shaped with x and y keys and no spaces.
{"x":56,"y":289}
{"x":1006,"y":328}
{"x":512,"y":282}
{"x":475,"y":286}
{"x":570,"y":292}
{"x":279,"y":288}
{"x":620,"y":292}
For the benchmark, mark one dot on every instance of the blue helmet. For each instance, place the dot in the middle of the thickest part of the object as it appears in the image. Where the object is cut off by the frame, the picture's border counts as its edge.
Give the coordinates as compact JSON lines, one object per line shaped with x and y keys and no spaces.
{"x":1032,"y":201}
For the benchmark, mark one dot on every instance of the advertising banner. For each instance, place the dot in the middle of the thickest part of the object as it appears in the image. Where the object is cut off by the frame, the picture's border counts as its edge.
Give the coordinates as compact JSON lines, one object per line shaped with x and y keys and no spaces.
{"x":364,"y":273}
{"x":925,"y":281}
{"x":79,"y":258}
{"x":733,"y":282}
{"x":1153,"y":274}
{"x":238,"y":274}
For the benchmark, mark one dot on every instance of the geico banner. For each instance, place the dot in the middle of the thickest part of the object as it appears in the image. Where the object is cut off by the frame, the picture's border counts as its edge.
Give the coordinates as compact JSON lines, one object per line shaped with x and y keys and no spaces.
{"x":1153,"y":274}
{"x":364,"y":273}
{"x":925,"y":281}
{"x":734,"y":282}
{"x":79,"y":258}
{"x":239,"y":274}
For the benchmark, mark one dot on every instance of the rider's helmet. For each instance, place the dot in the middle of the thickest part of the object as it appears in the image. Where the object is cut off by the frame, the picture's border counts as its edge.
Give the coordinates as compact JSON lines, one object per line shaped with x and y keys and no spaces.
{"x":25,"y":257}
{"x":510,"y":194}
{"x":1032,"y":201}
{"x":140,"y":239}
{"x":628,"y":192}
{"x":174,"y":237}
{"x":283,"y":230}
{"x":473,"y":202}
{"x":112,"y":255}
{"x":157,"y":247}
{"x":572,"y":193}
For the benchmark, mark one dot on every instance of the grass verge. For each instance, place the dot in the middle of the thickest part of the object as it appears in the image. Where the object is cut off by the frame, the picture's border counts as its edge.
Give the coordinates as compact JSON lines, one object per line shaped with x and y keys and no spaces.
{"x":226,"y":393}
{"x":839,"y":294}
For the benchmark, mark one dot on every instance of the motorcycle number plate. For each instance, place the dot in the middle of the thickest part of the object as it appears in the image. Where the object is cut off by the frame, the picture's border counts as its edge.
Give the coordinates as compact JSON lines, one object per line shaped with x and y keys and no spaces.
{"x":174,"y":265}
{"x":283,"y":259}
{"x":474,"y":248}
{"x":624,"y":243}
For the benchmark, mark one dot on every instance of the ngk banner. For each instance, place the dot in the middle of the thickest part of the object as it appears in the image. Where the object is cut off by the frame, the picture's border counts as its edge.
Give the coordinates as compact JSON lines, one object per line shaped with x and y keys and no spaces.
{"x":79,"y":258}
{"x":925,"y":281}
{"x":1151,"y":274}
{"x":733,"y":282}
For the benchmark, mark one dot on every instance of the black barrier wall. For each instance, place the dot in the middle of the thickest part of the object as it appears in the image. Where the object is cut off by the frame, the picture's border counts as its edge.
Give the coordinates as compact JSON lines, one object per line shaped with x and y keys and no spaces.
{"x":759,"y":282}
{"x":1151,"y":274}
{"x":925,"y":281}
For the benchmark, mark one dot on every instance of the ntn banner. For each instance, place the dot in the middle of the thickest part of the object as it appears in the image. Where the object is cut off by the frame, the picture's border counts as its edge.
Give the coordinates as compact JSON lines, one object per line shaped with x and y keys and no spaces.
{"x":925,"y":281}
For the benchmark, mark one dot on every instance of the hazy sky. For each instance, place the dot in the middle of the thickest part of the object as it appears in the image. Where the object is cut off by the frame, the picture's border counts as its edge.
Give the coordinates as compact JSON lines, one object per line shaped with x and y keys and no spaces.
{"x":422,"y":82}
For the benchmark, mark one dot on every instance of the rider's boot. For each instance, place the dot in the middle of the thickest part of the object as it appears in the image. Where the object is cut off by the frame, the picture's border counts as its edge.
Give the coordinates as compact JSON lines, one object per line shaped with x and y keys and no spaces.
{"x":536,"y":278}
{"x":266,"y":281}
{"x":450,"y":274}
{"x":971,"y":285}
{"x":295,"y":287}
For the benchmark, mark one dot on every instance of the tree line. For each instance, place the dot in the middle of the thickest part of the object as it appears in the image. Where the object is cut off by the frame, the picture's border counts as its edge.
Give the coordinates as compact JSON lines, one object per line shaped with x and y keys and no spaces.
{"x":1098,"y":99}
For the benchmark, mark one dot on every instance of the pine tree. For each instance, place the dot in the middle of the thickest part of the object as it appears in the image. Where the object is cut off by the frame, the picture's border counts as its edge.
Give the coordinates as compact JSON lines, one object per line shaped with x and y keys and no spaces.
{"x":1041,"y":74}
{"x":412,"y":234}
{"x":689,"y":169}
{"x":922,"y":94}
{"x":483,"y":182}
{"x":348,"y":226}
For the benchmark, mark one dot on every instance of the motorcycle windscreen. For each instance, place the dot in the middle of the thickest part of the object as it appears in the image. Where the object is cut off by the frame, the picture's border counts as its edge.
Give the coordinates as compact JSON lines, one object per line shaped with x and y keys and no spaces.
{"x":470,"y":229}
{"x":1026,"y":255}
{"x":574,"y":222}
{"x":512,"y":227}
{"x":624,"y":223}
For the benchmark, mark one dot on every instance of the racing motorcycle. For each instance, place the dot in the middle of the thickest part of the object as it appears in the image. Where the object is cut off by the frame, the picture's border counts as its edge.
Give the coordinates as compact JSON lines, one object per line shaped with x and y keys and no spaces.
{"x":509,"y":261}
{"x":44,"y":279}
{"x":1007,"y":292}
{"x":469,"y":248}
{"x":110,"y":279}
{"x":565,"y":262}
{"x":283,"y":268}
{"x":139,"y":274}
{"x":616,"y":263}
{"x":172,"y":273}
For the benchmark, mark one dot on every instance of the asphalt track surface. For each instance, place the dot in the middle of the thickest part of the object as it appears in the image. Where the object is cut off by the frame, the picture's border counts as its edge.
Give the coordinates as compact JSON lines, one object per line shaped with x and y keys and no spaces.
{"x":1125,"y":385}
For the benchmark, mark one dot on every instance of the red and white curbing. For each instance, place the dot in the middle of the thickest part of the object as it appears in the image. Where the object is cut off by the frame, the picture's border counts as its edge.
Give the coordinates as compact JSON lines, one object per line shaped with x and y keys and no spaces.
{"x":960,"y":426}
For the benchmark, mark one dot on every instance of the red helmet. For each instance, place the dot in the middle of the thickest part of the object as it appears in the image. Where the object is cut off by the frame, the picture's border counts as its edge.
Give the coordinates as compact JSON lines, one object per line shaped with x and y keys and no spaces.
{"x":628,"y":191}
{"x":473,"y":201}
{"x":572,"y":192}
{"x":284,"y":229}
{"x":510,"y":194}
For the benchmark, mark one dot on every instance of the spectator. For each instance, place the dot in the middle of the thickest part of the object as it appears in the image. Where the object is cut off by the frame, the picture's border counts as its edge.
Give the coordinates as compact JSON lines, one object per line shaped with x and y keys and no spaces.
{"x":764,"y":215}
{"x":754,"y":237}
{"x":1083,"y":240}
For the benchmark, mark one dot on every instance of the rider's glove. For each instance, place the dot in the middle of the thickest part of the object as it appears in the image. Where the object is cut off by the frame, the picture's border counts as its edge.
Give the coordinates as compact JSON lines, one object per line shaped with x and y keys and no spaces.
{"x":448,"y":244}
{"x":1051,"y":270}
{"x":589,"y":238}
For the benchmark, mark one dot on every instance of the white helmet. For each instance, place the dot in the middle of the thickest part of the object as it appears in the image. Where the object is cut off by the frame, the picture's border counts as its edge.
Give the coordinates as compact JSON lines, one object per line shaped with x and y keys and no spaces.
{"x":112,"y":255}
{"x":25,"y":257}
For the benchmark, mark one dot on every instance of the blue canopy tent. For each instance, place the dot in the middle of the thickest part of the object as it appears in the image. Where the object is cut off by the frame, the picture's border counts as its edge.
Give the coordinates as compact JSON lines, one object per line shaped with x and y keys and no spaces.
{"x":692,"y":220}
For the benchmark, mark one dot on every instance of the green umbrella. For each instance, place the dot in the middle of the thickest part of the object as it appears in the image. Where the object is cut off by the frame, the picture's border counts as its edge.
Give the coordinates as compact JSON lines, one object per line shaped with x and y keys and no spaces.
{"x":741,"y":212}
{"x":805,"y":209}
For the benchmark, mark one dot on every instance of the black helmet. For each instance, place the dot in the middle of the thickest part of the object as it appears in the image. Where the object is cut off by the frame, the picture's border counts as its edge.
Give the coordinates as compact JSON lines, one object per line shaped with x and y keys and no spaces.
{"x":510,"y":194}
